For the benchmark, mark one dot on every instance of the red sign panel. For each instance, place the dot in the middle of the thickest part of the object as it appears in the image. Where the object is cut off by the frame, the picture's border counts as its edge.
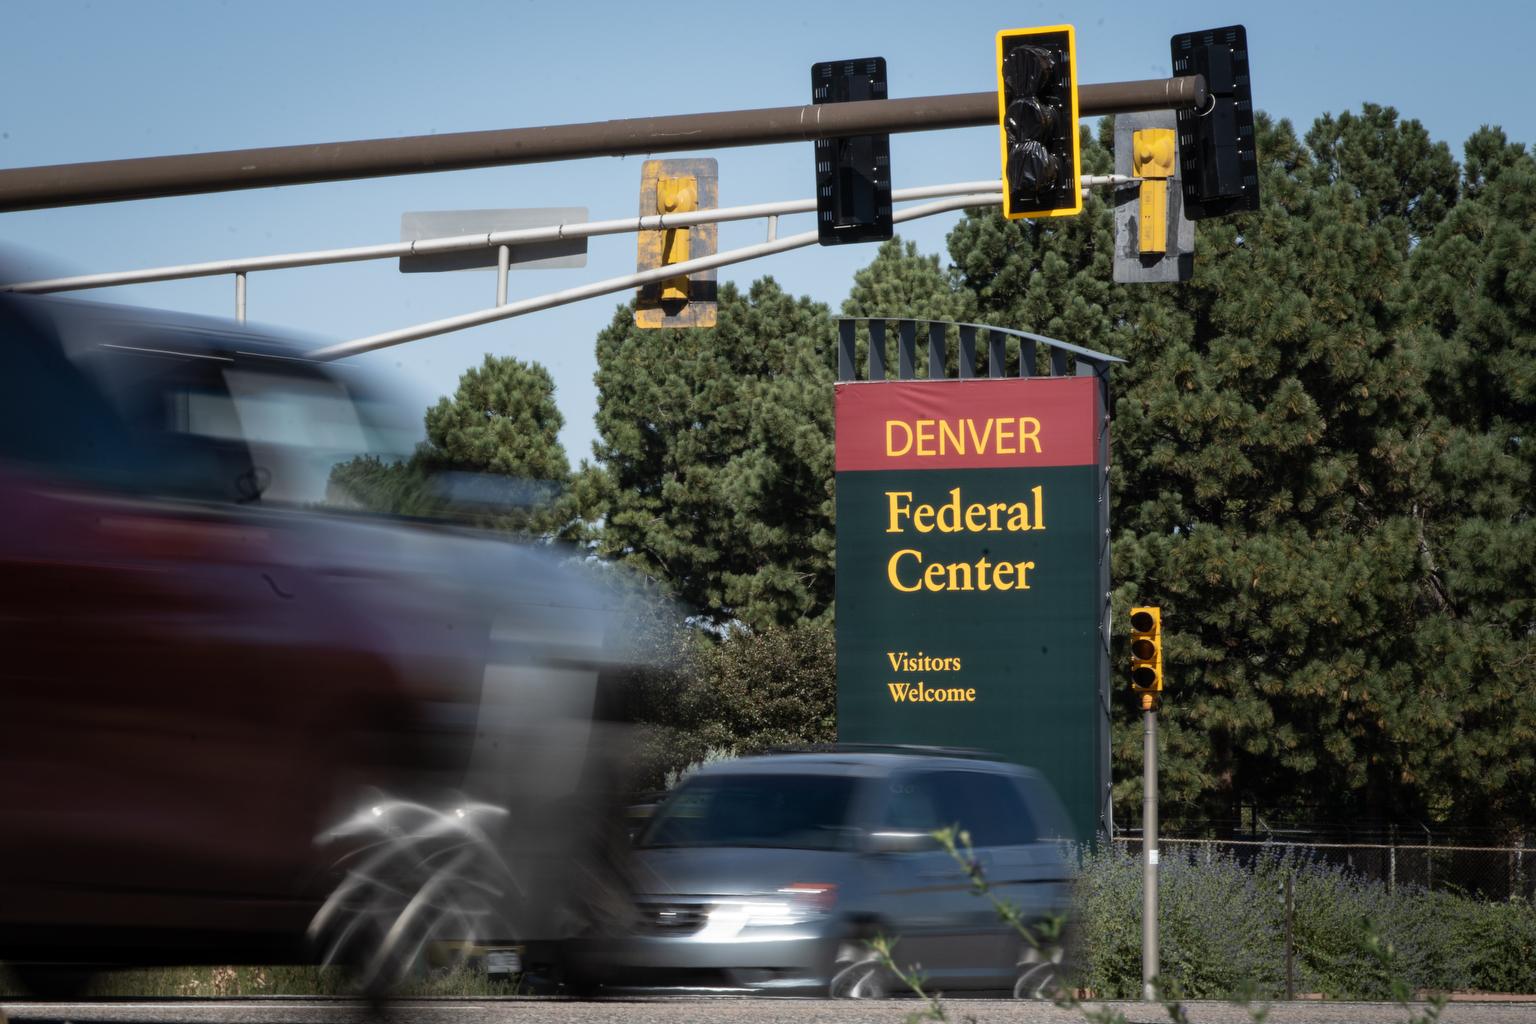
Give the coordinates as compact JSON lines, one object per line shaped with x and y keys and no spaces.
{"x":967,"y":424}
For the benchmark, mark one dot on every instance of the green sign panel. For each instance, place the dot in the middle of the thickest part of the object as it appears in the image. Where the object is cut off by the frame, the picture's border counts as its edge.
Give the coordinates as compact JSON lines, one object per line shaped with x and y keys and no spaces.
{"x":970,"y":547}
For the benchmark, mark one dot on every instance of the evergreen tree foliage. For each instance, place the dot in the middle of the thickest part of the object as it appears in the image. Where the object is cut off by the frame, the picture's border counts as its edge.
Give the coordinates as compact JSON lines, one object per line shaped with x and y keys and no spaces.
{"x":377,"y":485}
{"x":1321,"y":471}
{"x":501,"y":425}
{"x":902,"y":282}
{"x":1050,"y":276}
{"x":502,"y":419}
{"x":717,"y":446}
{"x":1471,"y":308}
{"x":745,"y":691}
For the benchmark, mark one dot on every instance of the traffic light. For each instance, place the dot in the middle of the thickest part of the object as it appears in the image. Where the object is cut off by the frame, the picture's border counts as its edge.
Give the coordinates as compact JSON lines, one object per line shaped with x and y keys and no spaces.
{"x":677,"y":186}
{"x":853,"y":172}
{"x":1146,"y":650}
{"x":1037,"y":118}
{"x":1218,"y":157}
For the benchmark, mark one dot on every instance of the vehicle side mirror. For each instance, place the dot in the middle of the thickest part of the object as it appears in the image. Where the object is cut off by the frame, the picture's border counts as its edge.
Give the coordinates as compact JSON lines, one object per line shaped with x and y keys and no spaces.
{"x":892,"y":841}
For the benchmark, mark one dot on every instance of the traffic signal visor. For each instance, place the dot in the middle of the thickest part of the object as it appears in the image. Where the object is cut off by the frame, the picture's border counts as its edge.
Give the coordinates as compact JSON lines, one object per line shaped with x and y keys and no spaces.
{"x":1146,"y":650}
{"x":1037,"y":122}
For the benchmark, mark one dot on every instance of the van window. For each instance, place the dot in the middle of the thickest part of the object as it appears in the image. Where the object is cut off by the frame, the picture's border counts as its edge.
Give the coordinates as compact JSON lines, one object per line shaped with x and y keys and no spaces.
{"x":802,"y":812}
{"x":987,"y":805}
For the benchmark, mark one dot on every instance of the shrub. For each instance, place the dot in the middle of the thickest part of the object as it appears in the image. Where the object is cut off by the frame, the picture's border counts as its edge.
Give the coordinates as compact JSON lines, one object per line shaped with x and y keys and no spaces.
{"x":1219,"y":937}
{"x":1222,"y":931}
{"x":1107,"y":913}
{"x":1496,"y":942}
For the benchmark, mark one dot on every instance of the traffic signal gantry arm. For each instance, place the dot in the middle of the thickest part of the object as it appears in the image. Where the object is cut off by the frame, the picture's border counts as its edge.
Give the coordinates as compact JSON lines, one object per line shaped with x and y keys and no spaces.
{"x":105,"y":181}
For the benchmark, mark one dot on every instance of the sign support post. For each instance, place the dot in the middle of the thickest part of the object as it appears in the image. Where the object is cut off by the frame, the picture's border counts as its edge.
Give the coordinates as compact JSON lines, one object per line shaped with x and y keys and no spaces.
{"x":1149,"y":848}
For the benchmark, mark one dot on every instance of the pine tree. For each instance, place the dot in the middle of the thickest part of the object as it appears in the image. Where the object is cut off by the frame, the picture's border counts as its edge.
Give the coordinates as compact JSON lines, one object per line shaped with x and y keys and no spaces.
{"x":717,"y":446}
{"x":902,"y":282}
{"x":492,"y":457}
{"x":1471,"y":314}
{"x":502,"y":419}
{"x":1271,"y":464}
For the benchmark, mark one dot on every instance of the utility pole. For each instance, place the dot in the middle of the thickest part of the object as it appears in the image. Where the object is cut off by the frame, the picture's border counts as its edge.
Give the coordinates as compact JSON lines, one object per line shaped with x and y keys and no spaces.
{"x":106,"y":181}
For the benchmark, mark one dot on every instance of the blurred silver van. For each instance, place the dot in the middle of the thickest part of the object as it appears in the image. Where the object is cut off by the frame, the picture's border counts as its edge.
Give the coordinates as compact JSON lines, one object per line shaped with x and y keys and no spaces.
{"x":773,"y":873}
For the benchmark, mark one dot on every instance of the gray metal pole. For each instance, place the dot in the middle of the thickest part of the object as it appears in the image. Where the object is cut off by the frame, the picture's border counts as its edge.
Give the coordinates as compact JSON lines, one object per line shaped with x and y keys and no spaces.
{"x":1290,"y":935}
{"x":503,"y":268}
{"x":240,"y":297}
{"x":105,"y":181}
{"x":618,"y":284}
{"x":1149,"y":851}
{"x":483,"y":240}
{"x":1429,"y":858}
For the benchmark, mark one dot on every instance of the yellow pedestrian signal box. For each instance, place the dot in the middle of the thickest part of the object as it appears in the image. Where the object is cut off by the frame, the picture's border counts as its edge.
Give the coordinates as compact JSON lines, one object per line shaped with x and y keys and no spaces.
{"x":1037,"y":121}
{"x":675,"y":187}
{"x":1146,"y":650}
{"x":1152,"y":161}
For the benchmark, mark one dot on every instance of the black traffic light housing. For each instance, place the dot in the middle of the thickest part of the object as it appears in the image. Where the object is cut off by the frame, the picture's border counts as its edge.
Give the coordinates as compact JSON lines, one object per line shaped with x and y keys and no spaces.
{"x":1037,"y":119}
{"x":853,"y":172}
{"x":1146,"y":650}
{"x":1218,"y":156}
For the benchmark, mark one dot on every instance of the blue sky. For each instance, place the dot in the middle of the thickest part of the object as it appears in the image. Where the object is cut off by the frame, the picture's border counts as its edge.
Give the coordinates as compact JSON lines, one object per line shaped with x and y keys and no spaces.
{"x":105,"y":80}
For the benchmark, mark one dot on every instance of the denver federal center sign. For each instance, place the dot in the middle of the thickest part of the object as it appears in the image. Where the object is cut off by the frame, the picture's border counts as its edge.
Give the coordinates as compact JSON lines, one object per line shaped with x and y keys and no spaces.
{"x":972,"y":561}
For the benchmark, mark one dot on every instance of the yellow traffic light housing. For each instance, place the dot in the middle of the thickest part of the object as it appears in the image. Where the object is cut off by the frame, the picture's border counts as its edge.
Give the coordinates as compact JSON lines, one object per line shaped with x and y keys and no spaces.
{"x":1037,"y":121}
{"x":673,"y":187}
{"x":1146,"y":650}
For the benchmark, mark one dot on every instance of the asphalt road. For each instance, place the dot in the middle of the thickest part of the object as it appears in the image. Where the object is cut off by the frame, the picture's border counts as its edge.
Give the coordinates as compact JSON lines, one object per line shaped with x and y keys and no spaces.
{"x":721,"y":1011}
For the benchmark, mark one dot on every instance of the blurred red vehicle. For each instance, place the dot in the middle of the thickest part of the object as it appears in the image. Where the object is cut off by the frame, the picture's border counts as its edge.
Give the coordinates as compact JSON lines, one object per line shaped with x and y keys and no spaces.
{"x":218,"y":703}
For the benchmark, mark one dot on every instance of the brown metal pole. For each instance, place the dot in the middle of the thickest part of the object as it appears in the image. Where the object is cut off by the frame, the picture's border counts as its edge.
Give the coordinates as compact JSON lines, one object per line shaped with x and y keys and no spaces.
{"x":105,"y":181}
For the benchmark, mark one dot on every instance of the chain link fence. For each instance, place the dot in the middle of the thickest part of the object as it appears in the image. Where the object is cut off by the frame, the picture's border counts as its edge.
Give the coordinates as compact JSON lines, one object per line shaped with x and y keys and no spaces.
{"x":1489,"y":870}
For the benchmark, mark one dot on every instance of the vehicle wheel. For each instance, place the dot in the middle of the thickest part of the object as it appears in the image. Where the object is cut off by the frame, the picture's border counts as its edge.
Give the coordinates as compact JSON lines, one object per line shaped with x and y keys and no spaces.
{"x":410,"y":876}
{"x":857,"y":972}
{"x":1041,"y":971}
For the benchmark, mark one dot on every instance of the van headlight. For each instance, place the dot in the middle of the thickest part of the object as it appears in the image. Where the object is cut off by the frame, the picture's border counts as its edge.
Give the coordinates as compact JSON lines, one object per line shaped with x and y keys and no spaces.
{"x":791,"y":905}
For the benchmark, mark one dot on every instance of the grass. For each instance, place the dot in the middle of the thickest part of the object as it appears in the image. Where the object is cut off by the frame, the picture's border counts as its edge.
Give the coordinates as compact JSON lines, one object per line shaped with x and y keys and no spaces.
{"x":298,"y":980}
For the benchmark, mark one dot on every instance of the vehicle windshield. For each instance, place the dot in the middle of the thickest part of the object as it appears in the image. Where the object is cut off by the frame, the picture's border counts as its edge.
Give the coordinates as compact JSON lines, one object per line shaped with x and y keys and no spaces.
{"x":298,"y":428}
{"x":244,"y":428}
{"x":802,"y":812}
